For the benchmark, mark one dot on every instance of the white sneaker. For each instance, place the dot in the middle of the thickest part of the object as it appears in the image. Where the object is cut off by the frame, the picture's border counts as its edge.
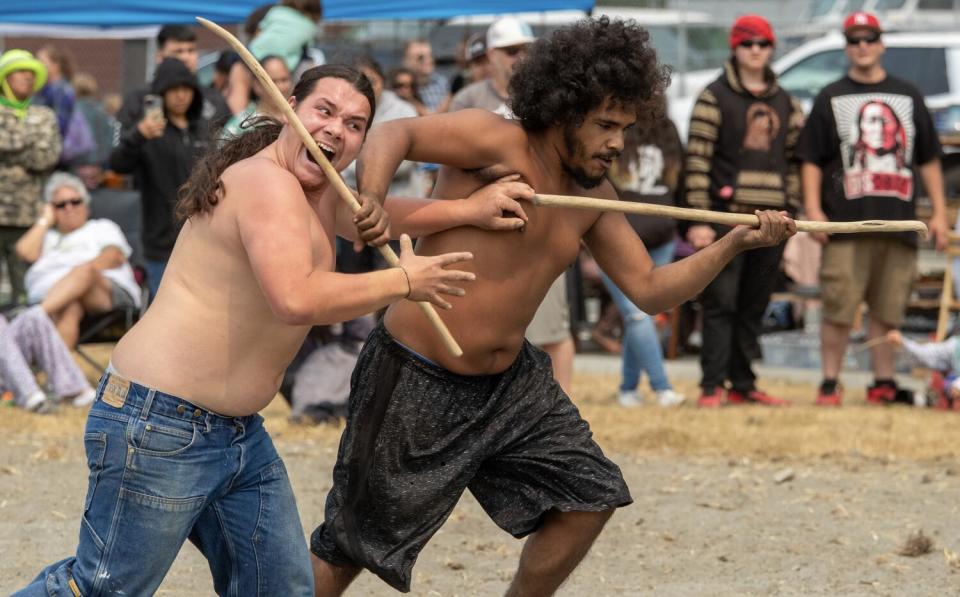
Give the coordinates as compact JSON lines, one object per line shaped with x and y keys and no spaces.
{"x":84,"y":398}
{"x":34,"y":401}
{"x":629,"y":399}
{"x":669,"y":398}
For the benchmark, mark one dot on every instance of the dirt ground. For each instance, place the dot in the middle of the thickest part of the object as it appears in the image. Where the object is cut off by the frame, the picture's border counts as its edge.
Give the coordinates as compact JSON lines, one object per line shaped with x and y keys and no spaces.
{"x":741,"y":501}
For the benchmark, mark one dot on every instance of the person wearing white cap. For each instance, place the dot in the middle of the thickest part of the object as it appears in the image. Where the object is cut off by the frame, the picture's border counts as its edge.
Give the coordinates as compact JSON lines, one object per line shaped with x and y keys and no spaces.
{"x":507,"y":42}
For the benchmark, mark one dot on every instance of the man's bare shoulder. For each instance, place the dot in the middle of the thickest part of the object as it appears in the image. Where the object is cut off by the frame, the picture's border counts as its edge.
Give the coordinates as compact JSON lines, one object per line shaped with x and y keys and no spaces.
{"x":493,"y":124}
{"x":259,"y":178}
{"x":604,"y":190}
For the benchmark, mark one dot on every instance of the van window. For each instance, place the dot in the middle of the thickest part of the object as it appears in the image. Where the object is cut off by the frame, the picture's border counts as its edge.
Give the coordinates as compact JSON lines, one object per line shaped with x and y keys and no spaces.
{"x":804,"y":79}
{"x":926,"y":68}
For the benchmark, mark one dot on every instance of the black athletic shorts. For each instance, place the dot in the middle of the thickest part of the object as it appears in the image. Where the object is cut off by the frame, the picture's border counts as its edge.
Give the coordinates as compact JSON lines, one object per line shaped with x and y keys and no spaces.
{"x":417,"y":435}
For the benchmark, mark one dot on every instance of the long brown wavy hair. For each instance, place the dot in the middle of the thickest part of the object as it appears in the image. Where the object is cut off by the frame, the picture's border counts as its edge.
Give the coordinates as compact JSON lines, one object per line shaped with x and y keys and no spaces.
{"x":204,"y":189}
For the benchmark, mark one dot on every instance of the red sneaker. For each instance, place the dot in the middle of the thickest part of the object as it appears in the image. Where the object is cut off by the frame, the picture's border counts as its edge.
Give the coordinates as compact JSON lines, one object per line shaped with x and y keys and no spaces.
{"x":833,"y":398}
{"x":881,"y":394}
{"x":755,"y":397}
{"x":711,"y":400}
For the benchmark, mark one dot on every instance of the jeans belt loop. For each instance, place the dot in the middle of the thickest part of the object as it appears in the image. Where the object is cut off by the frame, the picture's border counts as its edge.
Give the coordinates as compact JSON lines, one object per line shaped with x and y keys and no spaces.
{"x":145,"y":411}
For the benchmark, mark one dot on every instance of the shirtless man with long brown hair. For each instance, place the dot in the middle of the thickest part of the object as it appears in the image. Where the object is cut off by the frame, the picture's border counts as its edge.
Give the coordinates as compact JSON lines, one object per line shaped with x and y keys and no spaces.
{"x":174,"y":444}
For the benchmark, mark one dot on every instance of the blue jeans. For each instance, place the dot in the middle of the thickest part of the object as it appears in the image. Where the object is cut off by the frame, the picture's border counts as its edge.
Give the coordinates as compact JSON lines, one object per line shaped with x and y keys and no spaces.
{"x":155,"y":271}
{"x":641,"y":344}
{"x":163,"y":471}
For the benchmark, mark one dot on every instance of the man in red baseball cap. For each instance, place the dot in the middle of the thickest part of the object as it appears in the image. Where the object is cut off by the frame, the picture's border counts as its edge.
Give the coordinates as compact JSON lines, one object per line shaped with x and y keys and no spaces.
{"x":866,"y":139}
{"x":739,"y":159}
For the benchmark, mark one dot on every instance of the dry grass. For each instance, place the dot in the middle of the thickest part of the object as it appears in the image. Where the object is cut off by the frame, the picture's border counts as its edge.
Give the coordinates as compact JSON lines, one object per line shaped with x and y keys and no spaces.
{"x":802,"y":431}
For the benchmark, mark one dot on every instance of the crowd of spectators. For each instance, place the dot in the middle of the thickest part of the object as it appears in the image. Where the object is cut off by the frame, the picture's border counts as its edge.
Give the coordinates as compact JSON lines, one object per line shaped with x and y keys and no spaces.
{"x":745,"y":152}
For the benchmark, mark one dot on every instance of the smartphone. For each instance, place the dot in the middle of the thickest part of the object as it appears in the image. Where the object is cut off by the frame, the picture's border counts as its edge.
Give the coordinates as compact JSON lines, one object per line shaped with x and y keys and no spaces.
{"x":153,"y":107}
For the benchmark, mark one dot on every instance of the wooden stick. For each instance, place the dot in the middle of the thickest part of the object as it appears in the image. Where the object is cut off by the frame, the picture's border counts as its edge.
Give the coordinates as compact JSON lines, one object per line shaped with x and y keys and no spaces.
{"x":329,"y":171}
{"x":730,"y":219}
{"x":868,"y":344}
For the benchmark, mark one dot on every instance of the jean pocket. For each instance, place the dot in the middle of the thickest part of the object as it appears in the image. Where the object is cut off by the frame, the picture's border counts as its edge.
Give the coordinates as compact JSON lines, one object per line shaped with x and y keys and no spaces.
{"x":160,"y":440}
{"x":95,"y":445}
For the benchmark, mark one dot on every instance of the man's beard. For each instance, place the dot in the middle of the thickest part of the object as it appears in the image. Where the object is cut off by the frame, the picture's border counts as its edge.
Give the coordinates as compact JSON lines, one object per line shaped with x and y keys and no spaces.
{"x":576,"y":149}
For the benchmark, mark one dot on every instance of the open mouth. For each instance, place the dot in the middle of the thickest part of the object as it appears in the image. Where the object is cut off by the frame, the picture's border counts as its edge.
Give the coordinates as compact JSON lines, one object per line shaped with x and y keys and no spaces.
{"x":326,"y":150}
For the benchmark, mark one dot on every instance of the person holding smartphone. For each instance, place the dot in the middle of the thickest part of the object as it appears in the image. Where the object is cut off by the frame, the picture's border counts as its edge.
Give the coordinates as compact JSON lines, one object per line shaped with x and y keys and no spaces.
{"x":160,"y":151}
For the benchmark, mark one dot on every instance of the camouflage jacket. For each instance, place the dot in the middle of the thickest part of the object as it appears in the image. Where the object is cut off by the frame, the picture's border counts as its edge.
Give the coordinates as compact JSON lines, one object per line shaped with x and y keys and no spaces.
{"x":29,"y":149}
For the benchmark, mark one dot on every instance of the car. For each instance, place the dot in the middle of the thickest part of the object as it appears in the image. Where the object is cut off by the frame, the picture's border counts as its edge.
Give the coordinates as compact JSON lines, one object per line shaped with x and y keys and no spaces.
{"x":930,"y":61}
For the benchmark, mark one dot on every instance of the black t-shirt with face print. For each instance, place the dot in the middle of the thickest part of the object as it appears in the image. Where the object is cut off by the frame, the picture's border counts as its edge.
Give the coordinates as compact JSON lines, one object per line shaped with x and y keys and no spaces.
{"x":869,"y":140}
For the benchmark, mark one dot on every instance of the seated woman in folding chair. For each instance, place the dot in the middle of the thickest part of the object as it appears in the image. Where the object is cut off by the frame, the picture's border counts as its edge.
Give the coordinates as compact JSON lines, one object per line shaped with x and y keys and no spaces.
{"x":79,"y":265}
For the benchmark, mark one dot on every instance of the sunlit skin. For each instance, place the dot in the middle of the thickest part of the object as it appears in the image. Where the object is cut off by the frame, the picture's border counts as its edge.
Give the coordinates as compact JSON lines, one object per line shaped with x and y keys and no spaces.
{"x":514,"y":271}
{"x":21,"y":83}
{"x":246,"y":281}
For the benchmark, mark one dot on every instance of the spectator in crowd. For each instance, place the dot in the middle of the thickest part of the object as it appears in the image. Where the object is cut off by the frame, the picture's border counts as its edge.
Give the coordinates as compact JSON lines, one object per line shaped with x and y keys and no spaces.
{"x":432,"y":87}
{"x":278,"y":72}
{"x":286,"y":30}
{"x":31,"y":341}
{"x":180,"y":42}
{"x":29,"y":148}
{"x":507,"y":42}
{"x":743,"y":132}
{"x":161,"y":151}
{"x":389,"y":107}
{"x":58,"y":93}
{"x":221,"y":71}
{"x":103,"y":127}
{"x":403,"y":82}
{"x":942,"y":357}
{"x":649,"y":171}
{"x":79,"y":265}
{"x":867,"y":136}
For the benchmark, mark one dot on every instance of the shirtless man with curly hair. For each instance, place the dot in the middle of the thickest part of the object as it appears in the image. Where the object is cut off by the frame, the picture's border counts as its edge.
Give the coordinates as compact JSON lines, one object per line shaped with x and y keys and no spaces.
{"x":424,"y":426}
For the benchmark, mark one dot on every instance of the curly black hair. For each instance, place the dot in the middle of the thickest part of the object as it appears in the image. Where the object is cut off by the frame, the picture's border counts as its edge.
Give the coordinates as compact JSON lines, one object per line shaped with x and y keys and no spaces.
{"x":572,"y":72}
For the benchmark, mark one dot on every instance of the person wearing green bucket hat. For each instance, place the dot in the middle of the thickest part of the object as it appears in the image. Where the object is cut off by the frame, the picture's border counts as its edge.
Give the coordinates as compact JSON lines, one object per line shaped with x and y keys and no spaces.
{"x":29,"y":148}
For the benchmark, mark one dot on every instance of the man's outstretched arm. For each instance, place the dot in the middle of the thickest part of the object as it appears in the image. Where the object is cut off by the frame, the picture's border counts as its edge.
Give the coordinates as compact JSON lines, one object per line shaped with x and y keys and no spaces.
{"x":622,"y":256}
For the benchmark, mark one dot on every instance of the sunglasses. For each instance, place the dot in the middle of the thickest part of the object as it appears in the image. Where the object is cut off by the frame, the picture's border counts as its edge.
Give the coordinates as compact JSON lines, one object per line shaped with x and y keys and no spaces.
{"x":76,"y":202}
{"x":760,"y":43}
{"x":402,"y":84}
{"x":514,"y":50}
{"x":857,"y":40}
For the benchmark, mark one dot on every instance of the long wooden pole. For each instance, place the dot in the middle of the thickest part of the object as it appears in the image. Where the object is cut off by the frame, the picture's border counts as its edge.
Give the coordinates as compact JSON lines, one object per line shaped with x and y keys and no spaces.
{"x":329,"y":171}
{"x":730,"y":219}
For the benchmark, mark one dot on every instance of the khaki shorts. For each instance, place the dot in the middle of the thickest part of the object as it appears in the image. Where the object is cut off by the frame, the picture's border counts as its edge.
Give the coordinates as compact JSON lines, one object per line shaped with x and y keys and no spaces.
{"x":551,"y":322}
{"x":877,"y":271}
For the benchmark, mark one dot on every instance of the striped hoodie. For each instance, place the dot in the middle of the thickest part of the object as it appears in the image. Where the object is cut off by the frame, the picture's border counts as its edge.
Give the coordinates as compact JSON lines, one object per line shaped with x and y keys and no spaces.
{"x":740,"y":153}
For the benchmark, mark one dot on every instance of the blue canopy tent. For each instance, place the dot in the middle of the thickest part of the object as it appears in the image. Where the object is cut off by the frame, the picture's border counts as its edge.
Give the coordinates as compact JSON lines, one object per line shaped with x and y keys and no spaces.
{"x":132,"y":13}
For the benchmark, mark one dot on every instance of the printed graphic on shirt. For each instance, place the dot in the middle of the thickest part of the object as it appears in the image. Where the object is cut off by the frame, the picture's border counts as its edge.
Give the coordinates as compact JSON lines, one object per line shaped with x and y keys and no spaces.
{"x":645,"y":172}
{"x":762,"y":125}
{"x":877,"y":134}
